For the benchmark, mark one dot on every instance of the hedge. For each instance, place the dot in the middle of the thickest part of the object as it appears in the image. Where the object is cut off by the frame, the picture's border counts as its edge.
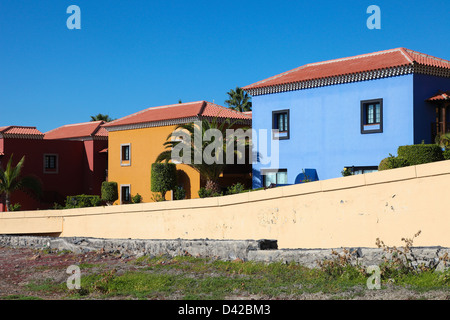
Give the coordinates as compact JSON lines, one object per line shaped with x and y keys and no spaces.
{"x":206,"y":193}
{"x":420,"y":153}
{"x":446,"y":154}
{"x":163,"y":177}
{"x":82,"y":201}
{"x":179,"y":193}
{"x":110,"y":192}
{"x":392,"y":162}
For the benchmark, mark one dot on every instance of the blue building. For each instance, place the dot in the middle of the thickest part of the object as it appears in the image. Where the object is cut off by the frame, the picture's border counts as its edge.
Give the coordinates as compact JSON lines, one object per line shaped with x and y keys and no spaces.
{"x":349,"y":112}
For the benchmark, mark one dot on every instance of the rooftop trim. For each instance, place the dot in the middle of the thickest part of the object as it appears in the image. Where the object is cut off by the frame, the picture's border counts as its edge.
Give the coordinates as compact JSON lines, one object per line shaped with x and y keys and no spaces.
{"x":382,"y":64}
{"x":176,"y":114}
{"x":20,"y":132}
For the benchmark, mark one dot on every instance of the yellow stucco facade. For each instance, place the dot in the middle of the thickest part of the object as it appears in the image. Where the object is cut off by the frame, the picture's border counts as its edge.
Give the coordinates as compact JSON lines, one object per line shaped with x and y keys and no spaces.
{"x":144,"y":145}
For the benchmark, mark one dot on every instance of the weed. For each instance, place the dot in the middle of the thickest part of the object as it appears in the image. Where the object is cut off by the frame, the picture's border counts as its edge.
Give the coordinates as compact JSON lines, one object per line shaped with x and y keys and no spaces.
{"x":398,"y":261}
{"x":47,"y":285}
{"x":102,"y":284}
{"x":401,"y":266}
{"x":344,"y":265}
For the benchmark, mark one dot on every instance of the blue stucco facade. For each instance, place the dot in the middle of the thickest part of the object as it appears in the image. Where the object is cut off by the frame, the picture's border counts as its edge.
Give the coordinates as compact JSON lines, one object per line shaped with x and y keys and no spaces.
{"x":325,"y":124}
{"x":426,"y":86}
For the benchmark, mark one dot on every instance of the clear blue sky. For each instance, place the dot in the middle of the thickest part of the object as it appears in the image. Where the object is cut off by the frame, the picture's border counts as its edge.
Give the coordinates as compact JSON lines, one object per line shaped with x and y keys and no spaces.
{"x":131,"y":55}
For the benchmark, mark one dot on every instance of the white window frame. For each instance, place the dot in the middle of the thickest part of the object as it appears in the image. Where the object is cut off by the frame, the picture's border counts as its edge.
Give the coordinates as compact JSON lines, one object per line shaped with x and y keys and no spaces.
{"x":129,"y":192}
{"x":127,"y":162}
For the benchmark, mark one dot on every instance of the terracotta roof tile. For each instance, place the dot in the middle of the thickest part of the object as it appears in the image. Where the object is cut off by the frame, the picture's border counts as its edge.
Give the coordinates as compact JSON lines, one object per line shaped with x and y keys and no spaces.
{"x":441,"y":96}
{"x":102,"y":132}
{"x":187,"y":111}
{"x":352,"y":65}
{"x":21,"y":131}
{"x":77,"y":131}
{"x":215,"y":110}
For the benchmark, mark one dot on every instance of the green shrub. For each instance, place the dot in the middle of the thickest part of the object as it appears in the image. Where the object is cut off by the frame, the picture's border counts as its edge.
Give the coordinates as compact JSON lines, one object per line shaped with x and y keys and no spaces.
{"x":164,"y":177}
{"x":57,"y":206}
{"x":383,"y":165}
{"x":156,"y":197}
{"x":15,"y":207}
{"x":206,"y":193}
{"x":179,"y":193}
{"x":137,"y":198}
{"x":446,"y":154}
{"x":82,"y":201}
{"x":347,"y":172}
{"x":392,"y":162}
{"x":236,"y":188}
{"x":110,"y":192}
{"x":420,"y":153}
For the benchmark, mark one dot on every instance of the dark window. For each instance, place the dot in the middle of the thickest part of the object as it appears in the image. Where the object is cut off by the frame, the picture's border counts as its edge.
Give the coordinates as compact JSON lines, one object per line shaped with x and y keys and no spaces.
{"x":280,"y":122}
{"x":372,"y":116}
{"x":50,"y":163}
{"x":125,"y":190}
{"x":126,"y":153}
{"x":274,"y":176}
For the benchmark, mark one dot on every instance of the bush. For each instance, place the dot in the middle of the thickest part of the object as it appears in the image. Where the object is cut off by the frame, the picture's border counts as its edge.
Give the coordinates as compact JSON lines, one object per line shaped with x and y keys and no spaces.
{"x":15,"y":207}
{"x":446,"y":154}
{"x":164,"y":177}
{"x":392,"y":162}
{"x":383,"y":165}
{"x":347,"y":172}
{"x":420,"y":153}
{"x":179,"y":193}
{"x":82,"y":201}
{"x":110,"y":192}
{"x":236,"y":188}
{"x":206,"y":193}
{"x":137,"y":198}
{"x":156,"y":197}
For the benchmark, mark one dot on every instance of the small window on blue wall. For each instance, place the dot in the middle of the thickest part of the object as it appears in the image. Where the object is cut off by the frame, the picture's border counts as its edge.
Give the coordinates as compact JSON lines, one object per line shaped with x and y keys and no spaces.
{"x":280,"y":124}
{"x":274,"y":177}
{"x":372,"y":116}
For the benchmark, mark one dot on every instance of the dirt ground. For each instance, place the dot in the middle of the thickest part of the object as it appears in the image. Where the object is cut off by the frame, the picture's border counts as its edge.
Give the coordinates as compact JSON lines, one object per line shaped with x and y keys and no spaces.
{"x":21,"y":266}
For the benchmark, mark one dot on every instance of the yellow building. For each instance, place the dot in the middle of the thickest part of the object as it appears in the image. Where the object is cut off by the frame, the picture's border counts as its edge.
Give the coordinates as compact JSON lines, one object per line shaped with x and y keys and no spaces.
{"x":135,"y":141}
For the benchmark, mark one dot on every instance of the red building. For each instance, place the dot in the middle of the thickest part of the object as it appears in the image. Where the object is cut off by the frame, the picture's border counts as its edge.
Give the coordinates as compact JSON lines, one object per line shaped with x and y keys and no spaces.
{"x":69,"y":160}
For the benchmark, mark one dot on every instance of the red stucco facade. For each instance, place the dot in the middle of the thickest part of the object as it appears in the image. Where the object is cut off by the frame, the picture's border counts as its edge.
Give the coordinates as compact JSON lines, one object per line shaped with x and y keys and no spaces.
{"x":80,"y":167}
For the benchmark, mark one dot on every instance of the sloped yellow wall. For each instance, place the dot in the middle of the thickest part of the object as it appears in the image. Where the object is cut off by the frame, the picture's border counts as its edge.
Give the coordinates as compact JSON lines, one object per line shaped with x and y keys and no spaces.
{"x":345,"y":212}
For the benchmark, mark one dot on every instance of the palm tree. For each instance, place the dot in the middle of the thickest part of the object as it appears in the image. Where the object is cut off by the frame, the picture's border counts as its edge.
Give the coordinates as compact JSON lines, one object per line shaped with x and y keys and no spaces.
{"x":239,"y":100}
{"x":208,"y":171}
{"x":11,"y":180}
{"x":101,"y":117}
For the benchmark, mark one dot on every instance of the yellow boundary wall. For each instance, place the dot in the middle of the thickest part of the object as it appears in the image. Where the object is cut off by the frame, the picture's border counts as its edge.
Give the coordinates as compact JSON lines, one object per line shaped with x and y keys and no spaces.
{"x":345,"y":212}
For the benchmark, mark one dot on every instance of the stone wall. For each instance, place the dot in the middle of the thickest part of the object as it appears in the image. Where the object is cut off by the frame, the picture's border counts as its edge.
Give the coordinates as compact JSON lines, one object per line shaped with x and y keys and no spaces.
{"x":246,"y":250}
